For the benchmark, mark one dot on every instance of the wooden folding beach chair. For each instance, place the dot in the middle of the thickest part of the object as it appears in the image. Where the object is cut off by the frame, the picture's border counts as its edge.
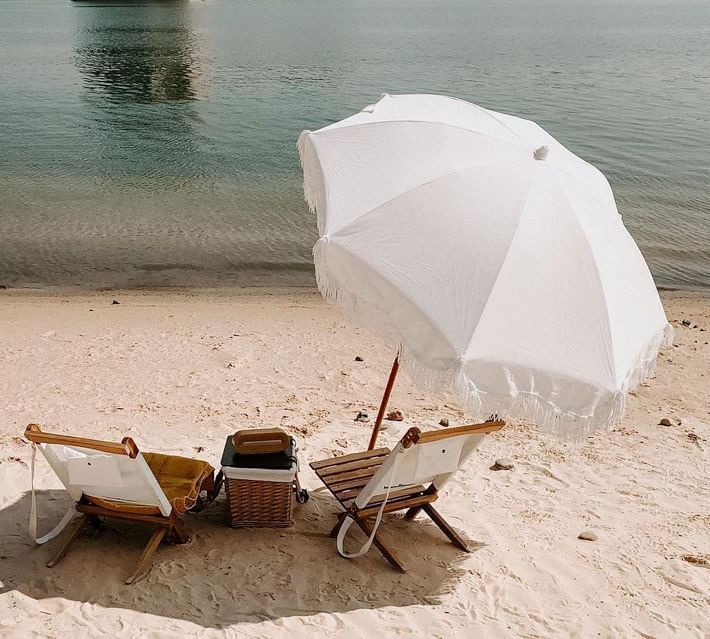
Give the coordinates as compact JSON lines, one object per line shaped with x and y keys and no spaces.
{"x":372,"y":483}
{"x":115,"y":480}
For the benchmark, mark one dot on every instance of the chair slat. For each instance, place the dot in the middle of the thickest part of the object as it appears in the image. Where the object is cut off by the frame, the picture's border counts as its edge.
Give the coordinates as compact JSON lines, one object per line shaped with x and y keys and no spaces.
{"x":333,"y":480}
{"x":397,"y":504}
{"x":375,"y":462}
{"x":349,"y":495}
{"x":344,"y":459}
{"x":360,"y":482}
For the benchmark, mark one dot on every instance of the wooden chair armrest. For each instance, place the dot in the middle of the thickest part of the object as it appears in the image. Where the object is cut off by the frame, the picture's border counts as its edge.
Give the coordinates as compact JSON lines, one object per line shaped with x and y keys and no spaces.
{"x":127,"y":446}
{"x":415,"y":436}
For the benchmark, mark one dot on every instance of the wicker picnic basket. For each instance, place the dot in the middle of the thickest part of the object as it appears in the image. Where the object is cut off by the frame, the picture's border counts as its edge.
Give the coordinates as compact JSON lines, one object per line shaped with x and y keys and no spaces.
{"x":253,"y":504}
{"x":261,"y":478}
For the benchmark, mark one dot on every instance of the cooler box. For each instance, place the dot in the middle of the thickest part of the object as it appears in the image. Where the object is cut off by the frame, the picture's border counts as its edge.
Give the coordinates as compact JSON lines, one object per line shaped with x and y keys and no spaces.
{"x":261,"y":478}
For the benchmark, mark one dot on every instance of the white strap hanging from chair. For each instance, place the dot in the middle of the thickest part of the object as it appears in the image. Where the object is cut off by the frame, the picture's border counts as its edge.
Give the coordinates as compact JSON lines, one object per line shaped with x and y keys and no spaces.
{"x":339,"y":542}
{"x":68,"y":516}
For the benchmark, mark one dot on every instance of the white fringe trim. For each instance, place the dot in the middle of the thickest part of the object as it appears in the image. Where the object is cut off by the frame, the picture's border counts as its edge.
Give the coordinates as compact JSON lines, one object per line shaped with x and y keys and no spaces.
{"x":313,"y":184}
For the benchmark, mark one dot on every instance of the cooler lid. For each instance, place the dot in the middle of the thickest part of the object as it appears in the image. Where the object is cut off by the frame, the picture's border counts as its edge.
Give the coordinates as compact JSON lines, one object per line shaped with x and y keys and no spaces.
{"x":268,"y":461}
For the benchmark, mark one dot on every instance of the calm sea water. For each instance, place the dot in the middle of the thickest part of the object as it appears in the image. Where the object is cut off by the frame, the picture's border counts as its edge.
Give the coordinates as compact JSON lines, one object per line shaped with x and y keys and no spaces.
{"x":152,"y":143}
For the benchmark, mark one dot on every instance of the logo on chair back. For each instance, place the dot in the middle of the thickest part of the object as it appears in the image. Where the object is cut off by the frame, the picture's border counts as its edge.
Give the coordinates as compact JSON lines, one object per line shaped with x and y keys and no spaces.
{"x":94,"y":470}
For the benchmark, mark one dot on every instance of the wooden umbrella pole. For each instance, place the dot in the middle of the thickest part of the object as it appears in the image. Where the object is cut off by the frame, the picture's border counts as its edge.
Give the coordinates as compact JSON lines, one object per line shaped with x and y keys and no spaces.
{"x":383,"y":404}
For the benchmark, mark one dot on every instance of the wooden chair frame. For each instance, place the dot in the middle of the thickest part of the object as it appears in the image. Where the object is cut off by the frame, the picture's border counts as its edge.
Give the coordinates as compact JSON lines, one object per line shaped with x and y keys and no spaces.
{"x":346,"y":476}
{"x":170,"y":526}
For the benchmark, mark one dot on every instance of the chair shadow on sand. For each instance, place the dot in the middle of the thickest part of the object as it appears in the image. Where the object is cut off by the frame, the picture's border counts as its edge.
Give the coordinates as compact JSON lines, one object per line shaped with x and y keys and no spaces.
{"x":225,"y":576}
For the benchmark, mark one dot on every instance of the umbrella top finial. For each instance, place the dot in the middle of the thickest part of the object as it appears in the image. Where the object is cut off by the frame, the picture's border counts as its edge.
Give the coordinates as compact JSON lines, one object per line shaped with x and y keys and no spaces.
{"x":541,"y":152}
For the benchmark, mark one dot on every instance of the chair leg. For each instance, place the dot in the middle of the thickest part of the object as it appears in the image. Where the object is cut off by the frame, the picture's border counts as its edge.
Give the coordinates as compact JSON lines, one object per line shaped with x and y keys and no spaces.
{"x":412,"y":512}
{"x":147,"y":556}
{"x":338,"y":524}
{"x":182,"y":534}
{"x":388,"y":554}
{"x":453,"y":536}
{"x":69,"y":541}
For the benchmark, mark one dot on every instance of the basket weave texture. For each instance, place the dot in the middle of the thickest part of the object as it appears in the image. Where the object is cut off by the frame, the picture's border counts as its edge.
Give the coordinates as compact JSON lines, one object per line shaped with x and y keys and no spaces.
{"x":259,"y":504}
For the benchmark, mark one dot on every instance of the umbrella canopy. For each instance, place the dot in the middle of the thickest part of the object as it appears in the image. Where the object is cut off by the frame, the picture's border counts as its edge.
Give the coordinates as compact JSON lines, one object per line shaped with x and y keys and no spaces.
{"x":488,"y":254}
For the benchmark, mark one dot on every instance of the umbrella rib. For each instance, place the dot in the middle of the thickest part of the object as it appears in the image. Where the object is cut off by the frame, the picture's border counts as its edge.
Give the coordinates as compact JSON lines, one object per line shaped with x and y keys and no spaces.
{"x":383,"y":310}
{"x":503,"y":261}
{"x":594,"y":195}
{"x":490,"y":114}
{"x":610,"y":362}
{"x":485,"y":111}
{"x":405,"y":193}
{"x":503,"y":124}
{"x":359,"y":125}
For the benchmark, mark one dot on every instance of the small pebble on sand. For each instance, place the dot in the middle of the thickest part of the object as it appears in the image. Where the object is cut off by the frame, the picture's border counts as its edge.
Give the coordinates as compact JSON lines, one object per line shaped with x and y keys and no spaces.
{"x":698,"y":560}
{"x":503,"y":464}
{"x":359,"y":359}
{"x":115,"y":302}
{"x":395,"y":416}
{"x":443,"y":422}
{"x":665,"y":422}
{"x":685,"y":322}
{"x":362,"y":416}
{"x":587,"y":535}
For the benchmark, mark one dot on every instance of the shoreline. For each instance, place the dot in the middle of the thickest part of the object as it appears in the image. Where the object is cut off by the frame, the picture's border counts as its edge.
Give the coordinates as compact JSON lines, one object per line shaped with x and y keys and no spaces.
{"x":267,"y":289}
{"x":186,"y":291}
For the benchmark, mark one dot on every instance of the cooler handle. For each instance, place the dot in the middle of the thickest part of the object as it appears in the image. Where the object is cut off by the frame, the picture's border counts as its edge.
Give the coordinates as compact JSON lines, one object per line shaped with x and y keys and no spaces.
{"x":260,"y":440}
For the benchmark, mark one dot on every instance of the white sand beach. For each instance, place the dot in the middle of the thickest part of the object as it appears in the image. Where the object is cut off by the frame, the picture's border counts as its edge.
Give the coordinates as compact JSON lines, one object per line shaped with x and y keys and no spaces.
{"x":179,"y":371}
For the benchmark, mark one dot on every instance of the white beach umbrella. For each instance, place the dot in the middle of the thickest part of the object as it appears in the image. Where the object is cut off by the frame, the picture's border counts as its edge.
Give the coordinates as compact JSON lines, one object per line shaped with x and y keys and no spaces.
{"x":489,"y":255}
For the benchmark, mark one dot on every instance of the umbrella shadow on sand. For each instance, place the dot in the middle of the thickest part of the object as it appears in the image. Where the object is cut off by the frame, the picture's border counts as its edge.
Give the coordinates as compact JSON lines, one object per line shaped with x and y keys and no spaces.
{"x":225,"y":576}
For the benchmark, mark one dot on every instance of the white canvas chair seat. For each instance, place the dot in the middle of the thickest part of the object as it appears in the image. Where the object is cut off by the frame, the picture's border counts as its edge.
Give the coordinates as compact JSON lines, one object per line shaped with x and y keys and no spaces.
{"x":107,"y":479}
{"x":373,"y":483}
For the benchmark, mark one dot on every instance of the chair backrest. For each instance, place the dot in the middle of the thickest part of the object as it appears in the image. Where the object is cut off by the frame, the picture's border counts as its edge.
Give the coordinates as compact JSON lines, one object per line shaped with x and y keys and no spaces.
{"x":105,"y":470}
{"x":422,"y":458}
